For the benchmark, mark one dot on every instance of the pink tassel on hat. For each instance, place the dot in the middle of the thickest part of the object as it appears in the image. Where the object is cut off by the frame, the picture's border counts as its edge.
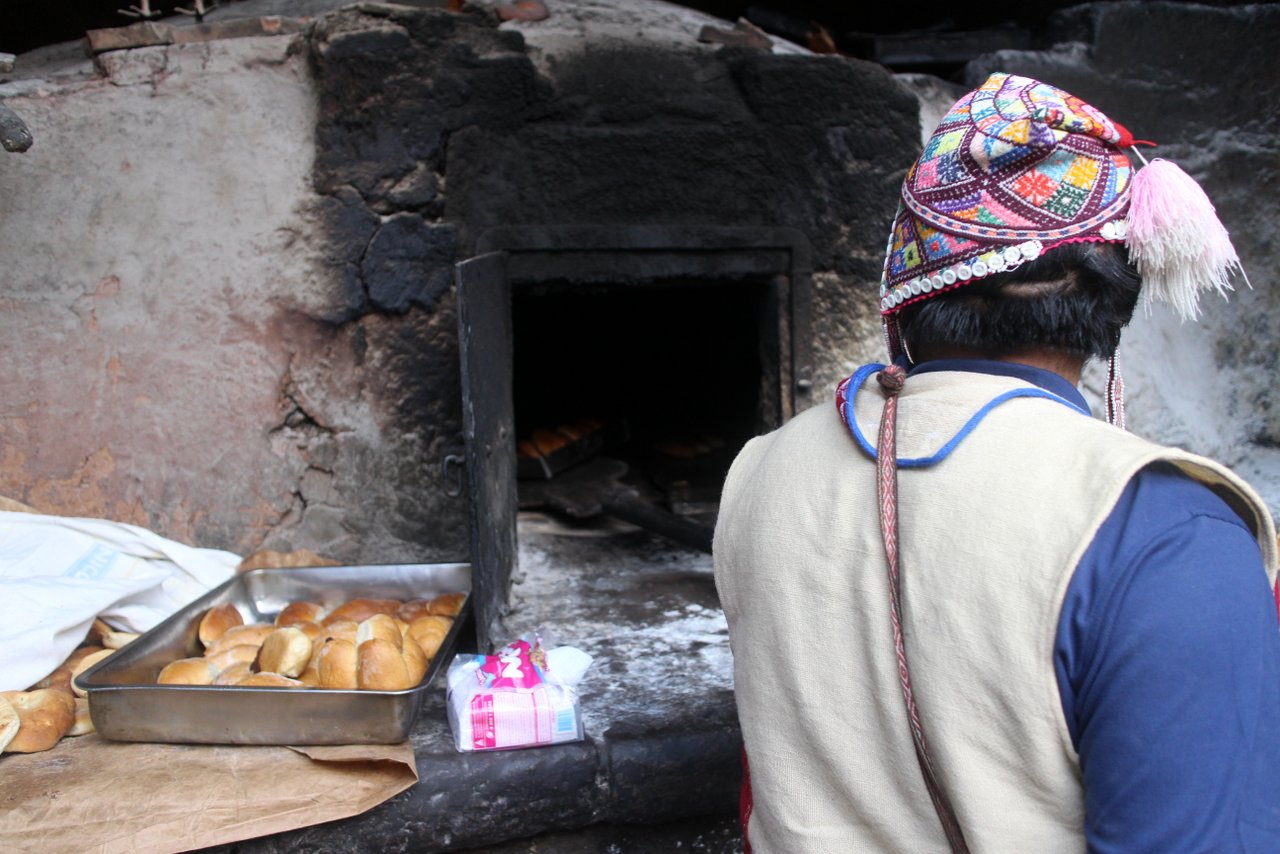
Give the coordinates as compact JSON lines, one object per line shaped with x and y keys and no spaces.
{"x":1176,"y":240}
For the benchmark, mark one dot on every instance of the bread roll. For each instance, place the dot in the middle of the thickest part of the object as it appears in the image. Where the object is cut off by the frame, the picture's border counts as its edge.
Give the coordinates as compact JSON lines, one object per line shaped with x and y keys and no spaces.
{"x":268,"y":680}
{"x":269,"y":559}
{"x":44,"y":717}
{"x":314,"y":631}
{"x":448,"y":604}
{"x":415,"y":662}
{"x":429,"y":633}
{"x":381,"y":667}
{"x":343,"y":629}
{"x":59,"y":680}
{"x":83,"y":723}
{"x":233,"y":673}
{"x":79,"y":655}
{"x":286,"y":651}
{"x":379,"y":626}
{"x":548,"y":441}
{"x":216,"y":621}
{"x":188,"y":671}
{"x":96,"y":630}
{"x":9,"y":723}
{"x":224,"y":658}
{"x":85,"y":663}
{"x":311,"y":676}
{"x":253,"y":634}
{"x":336,"y":665}
{"x":413,"y":609}
{"x":357,"y":610}
{"x":117,"y":640}
{"x":299,"y":612}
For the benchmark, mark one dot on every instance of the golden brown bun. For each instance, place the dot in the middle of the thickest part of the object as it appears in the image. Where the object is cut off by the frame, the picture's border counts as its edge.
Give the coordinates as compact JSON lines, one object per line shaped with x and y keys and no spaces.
{"x":311,"y":676}
{"x":224,"y":658}
{"x":413,"y":609}
{"x":79,"y":655}
{"x":342,"y":629}
{"x":233,"y":673}
{"x":9,"y":723}
{"x":268,"y":680}
{"x":336,"y":664}
{"x":415,"y":662}
{"x":448,"y":604}
{"x":85,"y":663}
{"x":357,"y":610}
{"x":429,"y":633}
{"x":188,"y":671}
{"x":216,"y":621}
{"x":83,"y":723}
{"x":268,"y":559}
{"x":299,"y":612}
{"x":253,"y":634}
{"x":59,"y":680}
{"x":381,"y":667}
{"x":118,"y":640}
{"x":379,"y":626}
{"x":314,"y":631}
{"x":285,"y":651}
{"x":96,"y":630}
{"x":44,"y":717}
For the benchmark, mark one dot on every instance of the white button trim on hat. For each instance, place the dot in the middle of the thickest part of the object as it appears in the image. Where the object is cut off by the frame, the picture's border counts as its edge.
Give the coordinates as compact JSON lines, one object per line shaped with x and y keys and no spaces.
{"x":993,"y":261}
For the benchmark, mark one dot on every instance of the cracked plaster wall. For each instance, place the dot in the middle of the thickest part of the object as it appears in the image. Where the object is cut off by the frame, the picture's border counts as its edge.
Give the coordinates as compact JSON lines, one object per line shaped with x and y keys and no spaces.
{"x":186,"y":349}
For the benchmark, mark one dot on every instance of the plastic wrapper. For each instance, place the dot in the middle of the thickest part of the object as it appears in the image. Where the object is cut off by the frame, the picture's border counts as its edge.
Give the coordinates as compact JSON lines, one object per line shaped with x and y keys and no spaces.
{"x":524,"y":696}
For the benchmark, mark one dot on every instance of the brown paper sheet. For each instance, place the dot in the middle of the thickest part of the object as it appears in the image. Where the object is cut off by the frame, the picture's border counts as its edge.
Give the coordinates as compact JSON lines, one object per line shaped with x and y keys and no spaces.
{"x":91,"y":794}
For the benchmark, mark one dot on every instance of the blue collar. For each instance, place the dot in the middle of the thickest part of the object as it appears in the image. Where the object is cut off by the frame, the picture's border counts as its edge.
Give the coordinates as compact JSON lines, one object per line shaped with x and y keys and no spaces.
{"x":1047,"y":380}
{"x":1045,"y":384}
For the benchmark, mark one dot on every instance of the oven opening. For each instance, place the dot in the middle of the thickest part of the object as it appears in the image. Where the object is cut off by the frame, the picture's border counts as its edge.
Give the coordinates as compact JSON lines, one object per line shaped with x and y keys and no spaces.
{"x":643,"y":389}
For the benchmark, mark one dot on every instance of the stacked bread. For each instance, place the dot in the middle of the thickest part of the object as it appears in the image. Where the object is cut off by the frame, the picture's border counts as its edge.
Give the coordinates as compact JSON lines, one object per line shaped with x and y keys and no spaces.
{"x":368,"y":644}
{"x":544,"y":443}
{"x":38,"y":718}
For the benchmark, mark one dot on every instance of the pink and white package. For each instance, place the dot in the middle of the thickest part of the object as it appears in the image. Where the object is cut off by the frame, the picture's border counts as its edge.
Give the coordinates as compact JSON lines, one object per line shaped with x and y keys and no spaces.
{"x":522,"y":697}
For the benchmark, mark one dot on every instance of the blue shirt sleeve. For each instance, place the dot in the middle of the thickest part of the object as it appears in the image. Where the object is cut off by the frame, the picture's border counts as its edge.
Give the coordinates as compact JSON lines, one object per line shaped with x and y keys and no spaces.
{"x":1168,"y":663}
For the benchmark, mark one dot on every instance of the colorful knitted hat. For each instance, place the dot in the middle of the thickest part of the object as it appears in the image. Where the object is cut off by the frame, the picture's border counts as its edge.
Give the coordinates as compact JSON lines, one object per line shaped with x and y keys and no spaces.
{"x":1018,"y":168}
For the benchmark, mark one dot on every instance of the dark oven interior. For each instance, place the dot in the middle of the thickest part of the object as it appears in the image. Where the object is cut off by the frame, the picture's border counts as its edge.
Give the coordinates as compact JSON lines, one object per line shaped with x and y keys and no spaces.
{"x":669,"y":377}
{"x":615,"y":373}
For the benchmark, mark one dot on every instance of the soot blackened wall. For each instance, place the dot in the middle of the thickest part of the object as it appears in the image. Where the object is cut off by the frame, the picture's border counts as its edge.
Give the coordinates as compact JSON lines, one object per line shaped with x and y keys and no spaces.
{"x":435,"y":128}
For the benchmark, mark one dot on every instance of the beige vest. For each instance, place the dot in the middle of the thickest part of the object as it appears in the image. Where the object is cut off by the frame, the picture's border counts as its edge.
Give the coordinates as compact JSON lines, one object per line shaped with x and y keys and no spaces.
{"x":990,"y":539}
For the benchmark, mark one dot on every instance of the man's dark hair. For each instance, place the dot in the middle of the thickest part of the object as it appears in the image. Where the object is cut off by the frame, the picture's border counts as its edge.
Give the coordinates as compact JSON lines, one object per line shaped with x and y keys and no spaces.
{"x":1074,"y":299}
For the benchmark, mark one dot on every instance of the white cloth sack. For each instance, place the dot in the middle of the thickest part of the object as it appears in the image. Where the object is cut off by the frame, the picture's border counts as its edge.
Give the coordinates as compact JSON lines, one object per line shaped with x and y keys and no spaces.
{"x":58,"y":573}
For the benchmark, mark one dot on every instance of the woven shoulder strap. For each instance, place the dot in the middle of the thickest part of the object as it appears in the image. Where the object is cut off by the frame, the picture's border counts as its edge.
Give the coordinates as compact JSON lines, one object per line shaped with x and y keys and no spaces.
{"x":891,"y":380}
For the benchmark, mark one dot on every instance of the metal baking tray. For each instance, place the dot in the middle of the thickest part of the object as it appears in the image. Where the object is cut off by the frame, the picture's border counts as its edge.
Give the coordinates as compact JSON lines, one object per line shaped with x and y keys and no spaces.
{"x":127,"y":705}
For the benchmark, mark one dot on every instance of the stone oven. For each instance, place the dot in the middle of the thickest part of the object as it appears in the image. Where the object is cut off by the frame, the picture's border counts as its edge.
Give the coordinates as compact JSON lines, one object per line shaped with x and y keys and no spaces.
{"x":258,"y":296}
{"x":639,"y":216}
{"x":641,"y":220}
